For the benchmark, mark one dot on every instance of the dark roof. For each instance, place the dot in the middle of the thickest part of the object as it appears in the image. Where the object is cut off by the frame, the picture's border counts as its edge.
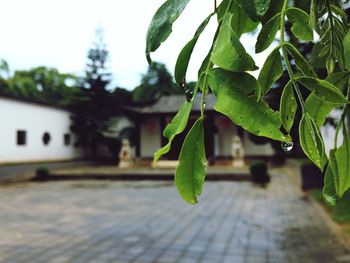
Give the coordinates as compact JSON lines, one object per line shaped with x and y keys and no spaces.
{"x":172,"y":104}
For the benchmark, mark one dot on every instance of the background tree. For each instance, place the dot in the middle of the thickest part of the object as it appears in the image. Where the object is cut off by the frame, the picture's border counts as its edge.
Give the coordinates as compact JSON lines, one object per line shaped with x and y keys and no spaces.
{"x":156,"y":82}
{"x":40,"y":84}
{"x":44,"y":84}
{"x":93,"y":105}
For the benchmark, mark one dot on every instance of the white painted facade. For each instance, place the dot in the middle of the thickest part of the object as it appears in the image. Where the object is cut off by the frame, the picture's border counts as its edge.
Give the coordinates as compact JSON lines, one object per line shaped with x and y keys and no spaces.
{"x":150,"y":141}
{"x":34,"y":120}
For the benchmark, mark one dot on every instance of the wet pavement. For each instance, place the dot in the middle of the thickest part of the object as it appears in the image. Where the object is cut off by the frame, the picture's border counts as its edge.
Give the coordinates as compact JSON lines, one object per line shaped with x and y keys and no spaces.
{"x":105,"y":221}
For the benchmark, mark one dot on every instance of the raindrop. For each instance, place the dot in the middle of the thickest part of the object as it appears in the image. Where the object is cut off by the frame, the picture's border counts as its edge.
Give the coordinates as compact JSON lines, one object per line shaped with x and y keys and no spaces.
{"x":287,"y":146}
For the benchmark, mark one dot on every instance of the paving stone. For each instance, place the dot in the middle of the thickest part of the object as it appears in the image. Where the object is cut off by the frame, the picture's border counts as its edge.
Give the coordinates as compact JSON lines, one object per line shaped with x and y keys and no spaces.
{"x":146,"y":222}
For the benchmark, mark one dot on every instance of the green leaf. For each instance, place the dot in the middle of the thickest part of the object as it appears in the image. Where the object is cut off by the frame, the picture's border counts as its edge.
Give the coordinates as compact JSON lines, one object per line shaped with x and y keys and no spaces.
{"x":342,"y":158}
{"x":300,"y":20}
{"x":323,"y":89}
{"x":271,"y":71}
{"x":175,"y":127}
{"x":161,"y":25}
{"x":241,"y":23}
{"x":222,"y":9}
{"x":300,"y":61}
{"x":311,"y":141}
{"x":255,"y":9}
{"x":228,"y":52}
{"x":185,"y":54}
{"x":267,"y":34}
{"x":237,"y":99}
{"x":274,"y":9}
{"x":288,"y":106}
{"x":320,"y":109}
{"x":329,"y":191}
{"x":346,"y":44}
{"x":334,"y":167}
{"x":190,"y":173}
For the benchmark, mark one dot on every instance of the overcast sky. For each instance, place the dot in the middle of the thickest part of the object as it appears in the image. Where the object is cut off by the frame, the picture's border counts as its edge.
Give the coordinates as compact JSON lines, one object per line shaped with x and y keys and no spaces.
{"x":59,"y":33}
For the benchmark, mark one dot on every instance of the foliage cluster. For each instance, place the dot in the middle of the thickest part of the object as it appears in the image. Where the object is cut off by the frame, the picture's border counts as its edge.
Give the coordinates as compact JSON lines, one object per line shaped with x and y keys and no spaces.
{"x":40,"y":84}
{"x":240,"y":96}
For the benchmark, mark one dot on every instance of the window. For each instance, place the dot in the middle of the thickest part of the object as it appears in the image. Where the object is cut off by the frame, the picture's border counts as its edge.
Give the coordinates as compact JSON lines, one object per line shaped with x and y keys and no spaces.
{"x":46,"y":138}
{"x":66,"y":139}
{"x":21,"y":137}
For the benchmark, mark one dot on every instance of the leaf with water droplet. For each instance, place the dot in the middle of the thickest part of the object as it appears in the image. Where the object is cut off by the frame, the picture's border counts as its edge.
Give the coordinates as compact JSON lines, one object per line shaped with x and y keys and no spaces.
{"x":287,"y":146}
{"x":190,"y":173}
{"x":231,"y":90}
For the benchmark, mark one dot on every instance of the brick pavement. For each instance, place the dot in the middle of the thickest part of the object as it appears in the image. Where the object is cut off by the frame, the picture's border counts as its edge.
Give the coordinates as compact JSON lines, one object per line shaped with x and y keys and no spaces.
{"x":139,"y":222}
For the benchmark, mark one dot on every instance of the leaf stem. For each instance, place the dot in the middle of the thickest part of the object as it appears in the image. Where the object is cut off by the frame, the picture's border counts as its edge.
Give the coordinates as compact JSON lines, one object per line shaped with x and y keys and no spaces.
{"x":285,"y":56}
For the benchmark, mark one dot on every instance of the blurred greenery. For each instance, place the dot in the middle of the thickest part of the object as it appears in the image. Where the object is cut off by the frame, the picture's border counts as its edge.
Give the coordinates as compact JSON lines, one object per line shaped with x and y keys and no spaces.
{"x":156,"y":82}
{"x":341,"y":211}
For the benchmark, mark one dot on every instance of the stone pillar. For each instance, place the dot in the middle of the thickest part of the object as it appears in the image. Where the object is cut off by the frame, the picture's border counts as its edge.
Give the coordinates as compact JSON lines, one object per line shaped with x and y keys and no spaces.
{"x":126,"y":158}
{"x":237,"y":151}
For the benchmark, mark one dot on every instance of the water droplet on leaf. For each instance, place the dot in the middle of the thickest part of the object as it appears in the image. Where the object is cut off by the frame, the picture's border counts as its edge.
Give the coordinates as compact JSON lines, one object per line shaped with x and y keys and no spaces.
{"x":287,"y":146}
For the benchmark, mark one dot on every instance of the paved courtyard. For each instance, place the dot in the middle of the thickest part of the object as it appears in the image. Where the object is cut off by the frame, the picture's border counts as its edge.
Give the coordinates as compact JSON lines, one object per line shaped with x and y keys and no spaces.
{"x":103,"y":221}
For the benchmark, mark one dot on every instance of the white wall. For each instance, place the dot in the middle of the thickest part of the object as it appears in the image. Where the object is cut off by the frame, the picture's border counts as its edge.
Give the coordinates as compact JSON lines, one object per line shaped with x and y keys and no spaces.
{"x":226,"y":131}
{"x":35,"y":119}
{"x":150,"y":137}
{"x":252,"y":149}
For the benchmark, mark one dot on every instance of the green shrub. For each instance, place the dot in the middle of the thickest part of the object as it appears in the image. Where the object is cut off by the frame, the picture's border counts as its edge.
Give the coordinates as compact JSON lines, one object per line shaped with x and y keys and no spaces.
{"x":258,"y":171}
{"x":41,"y":172}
